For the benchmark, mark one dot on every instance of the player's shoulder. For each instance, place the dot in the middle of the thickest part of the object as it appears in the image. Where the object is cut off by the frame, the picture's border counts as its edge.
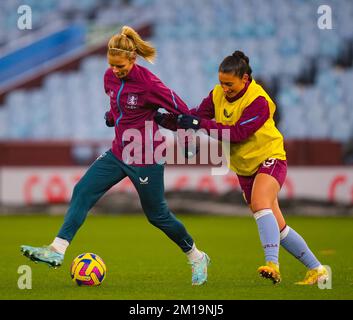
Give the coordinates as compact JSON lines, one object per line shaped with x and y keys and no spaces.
{"x":145,"y":74}
{"x":257,"y":87}
{"x":217,"y":92}
{"x":108,"y":75}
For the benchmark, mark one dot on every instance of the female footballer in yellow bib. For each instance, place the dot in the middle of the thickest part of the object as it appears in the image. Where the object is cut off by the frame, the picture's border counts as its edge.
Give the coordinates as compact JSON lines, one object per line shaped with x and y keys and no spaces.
{"x":257,"y":156}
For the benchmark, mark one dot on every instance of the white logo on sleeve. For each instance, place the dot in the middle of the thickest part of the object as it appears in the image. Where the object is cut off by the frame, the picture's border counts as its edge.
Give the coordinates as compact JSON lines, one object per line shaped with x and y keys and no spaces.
{"x":269,"y":162}
{"x":101,"y":156}
{"x":143,"y":181}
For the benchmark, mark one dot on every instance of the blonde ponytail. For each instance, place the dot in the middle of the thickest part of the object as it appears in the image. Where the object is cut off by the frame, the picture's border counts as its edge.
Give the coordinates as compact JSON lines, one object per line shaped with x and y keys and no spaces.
{"x":128,"y":41}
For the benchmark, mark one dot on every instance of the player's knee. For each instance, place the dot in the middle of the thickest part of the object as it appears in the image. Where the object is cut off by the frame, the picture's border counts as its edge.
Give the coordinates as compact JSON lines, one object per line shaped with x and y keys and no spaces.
{"x":159,"y":217}
{"x":80,"y":190}
{"x":257,"y":205}
{"x":156,"y":220}
{"x":152,"y":208}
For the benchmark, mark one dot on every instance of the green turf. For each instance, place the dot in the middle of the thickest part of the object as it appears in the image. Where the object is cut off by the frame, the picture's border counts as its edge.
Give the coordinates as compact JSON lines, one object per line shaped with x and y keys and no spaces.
{"x":143,"y":263}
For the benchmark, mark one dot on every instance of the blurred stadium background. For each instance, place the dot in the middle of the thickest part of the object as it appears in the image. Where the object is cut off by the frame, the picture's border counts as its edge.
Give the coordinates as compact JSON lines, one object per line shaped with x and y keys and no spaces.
{"x":52,"y":104}
{"x":52,"y":100}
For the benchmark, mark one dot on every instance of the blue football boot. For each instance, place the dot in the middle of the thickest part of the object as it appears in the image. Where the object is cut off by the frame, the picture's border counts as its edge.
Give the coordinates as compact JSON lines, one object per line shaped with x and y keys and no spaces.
{"x":44,"y":255}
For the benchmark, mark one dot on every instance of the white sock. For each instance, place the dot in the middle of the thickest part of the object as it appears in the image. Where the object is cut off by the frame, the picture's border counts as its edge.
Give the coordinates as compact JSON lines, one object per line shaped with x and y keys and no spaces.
{"x":194,"y":254}
{"x":60,"y":245}
{"x":320,"y":268}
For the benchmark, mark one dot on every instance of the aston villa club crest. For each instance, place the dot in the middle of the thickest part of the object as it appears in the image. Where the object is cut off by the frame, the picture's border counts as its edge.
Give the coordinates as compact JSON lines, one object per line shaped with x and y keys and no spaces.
{"x":132,"y":99}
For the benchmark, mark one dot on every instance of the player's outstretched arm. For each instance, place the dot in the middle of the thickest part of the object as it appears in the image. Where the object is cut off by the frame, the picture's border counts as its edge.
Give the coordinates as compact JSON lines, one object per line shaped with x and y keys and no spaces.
{"x":252,"y":119}
{"x":166,"y":120}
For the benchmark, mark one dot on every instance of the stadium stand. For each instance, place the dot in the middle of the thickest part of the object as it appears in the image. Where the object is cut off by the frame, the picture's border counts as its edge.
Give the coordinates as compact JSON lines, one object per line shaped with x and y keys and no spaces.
{"x":310,"y":69}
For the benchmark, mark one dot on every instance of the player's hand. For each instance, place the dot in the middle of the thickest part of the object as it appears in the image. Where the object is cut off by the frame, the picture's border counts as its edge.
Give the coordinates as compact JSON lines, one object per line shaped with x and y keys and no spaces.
{"x":166,"y":120}
{"x":109,"y":119}
{"x":188,"y":122}
{"x":159,"y":117}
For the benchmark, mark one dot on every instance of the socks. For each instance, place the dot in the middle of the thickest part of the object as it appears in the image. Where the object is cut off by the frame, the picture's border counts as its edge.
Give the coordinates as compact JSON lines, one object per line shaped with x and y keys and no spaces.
{"x":60,"y":245}
{"x":296,"y":245}
{"x":194,"y":254}
{"x":269,"y":233}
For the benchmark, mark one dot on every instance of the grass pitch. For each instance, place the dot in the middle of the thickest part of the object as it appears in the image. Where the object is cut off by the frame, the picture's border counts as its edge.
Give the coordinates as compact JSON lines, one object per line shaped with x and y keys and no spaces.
{"x":142,"y":263}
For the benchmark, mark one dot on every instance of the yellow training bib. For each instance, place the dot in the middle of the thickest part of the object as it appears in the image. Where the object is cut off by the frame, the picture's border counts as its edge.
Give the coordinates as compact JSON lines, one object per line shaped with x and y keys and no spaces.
{"x":267,"y":142}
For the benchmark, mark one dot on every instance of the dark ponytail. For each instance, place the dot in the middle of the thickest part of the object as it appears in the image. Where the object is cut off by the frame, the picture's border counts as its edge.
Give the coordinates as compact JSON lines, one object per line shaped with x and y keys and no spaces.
{"x":237,"y":64}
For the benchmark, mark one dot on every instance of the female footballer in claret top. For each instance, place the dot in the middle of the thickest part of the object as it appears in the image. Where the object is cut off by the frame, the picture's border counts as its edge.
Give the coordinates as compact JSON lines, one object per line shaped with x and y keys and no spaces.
{"x":135,"y":96}
{"x":257,"y":156}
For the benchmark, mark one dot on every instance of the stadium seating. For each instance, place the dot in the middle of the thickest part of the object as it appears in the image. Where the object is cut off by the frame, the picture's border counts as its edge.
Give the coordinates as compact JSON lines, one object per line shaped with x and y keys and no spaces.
{"x":192,"y":37}
{"x":47,"y":13}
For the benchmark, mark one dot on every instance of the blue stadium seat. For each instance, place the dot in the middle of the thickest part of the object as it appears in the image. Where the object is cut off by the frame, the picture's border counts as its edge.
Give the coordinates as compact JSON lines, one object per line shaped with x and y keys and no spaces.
{"x":192,"y":37}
